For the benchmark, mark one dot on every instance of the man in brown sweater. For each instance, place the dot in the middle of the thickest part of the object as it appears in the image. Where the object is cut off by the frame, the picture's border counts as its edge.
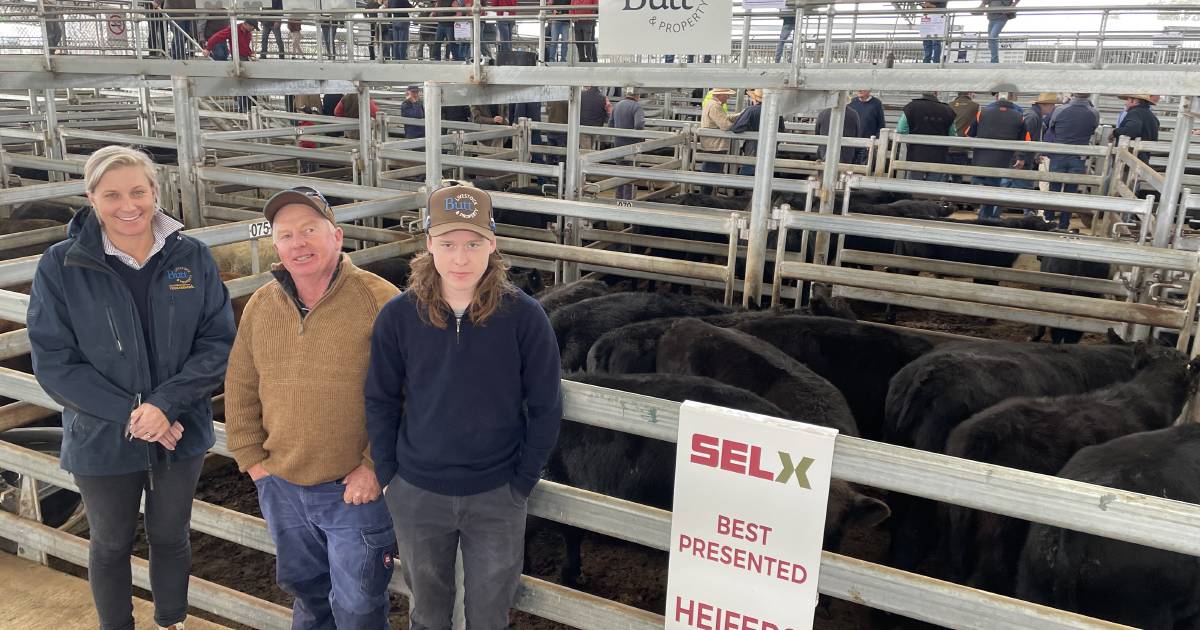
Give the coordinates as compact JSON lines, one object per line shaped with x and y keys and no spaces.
{"x":295,"y":419}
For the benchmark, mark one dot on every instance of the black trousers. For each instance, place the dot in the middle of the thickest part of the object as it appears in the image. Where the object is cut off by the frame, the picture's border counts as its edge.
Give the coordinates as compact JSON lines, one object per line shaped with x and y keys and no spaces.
{"x":112,"y":510}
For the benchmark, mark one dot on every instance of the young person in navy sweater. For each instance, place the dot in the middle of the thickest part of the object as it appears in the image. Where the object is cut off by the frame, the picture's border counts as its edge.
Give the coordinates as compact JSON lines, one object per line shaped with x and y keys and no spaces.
{"x":463,"y":409}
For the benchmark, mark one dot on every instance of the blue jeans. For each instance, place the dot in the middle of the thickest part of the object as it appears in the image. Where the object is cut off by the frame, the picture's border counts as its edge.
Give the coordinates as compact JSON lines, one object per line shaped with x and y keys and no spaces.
{"x":1020,"y":184}
{"x":994,"y":28}
{"x":220,"y":52}
{"x":334,"y":558}
{"x":560,"y":34}
{"x":987,"y":211}
{"x":504,"y":36}
{"x":445,"y":33}
{"x":1065,"y":164}
{"x":399,"y":35}
{"x":329,"y":37}
{"x":180,"y":46}
{"x":711,"y":167}
{"x":785,"y":34}
{"x":933,"y":50}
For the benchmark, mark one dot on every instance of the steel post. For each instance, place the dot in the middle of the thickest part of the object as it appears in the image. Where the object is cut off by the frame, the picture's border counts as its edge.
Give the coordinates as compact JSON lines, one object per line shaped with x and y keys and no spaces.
{"x":433,"y":140}
{"x":829,"y":176}
{"x":189,"y":151}
{"x":760,"y":204}
{"x":572,"y":185}
{"x":1168,"y":205}
{"x":366,"y":146}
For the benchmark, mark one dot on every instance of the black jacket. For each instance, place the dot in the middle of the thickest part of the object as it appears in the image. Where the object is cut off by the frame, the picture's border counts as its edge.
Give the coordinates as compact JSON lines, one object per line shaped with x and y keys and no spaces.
{"x":931,"y":117}
{"x":592,"y":110}
{"x":88,"y":353}
{"x":851,"y":128}
{"x":1000,"y":121}
{"x":1139,"y":122}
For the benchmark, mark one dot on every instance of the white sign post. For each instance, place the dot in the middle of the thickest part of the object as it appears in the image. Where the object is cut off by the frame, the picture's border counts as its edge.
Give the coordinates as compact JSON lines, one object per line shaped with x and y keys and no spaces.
{"x":748,"y":520}
{"x":635,"y":27}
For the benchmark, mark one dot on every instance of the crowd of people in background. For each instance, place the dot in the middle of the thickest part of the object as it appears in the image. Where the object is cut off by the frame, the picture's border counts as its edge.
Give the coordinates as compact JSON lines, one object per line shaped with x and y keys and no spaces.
{"x":182,"y":28}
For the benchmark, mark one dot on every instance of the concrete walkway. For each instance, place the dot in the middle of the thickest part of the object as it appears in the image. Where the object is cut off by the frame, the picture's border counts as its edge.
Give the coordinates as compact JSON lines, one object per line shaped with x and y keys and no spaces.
{"x":36,"y":597}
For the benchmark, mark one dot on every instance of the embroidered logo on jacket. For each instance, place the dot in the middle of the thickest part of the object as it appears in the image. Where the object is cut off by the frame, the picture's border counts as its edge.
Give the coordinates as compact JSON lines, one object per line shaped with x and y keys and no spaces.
{"x":181,"y":279}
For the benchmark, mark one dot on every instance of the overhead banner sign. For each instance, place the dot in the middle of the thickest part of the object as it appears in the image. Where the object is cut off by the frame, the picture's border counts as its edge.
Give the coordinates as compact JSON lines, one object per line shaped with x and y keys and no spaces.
{"x":748,"y":520}
{"x":634,"y":27}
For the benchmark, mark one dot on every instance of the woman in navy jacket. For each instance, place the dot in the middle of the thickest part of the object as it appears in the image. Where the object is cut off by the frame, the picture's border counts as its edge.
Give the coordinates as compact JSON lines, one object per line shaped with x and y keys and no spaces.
{"x":130,"y":327}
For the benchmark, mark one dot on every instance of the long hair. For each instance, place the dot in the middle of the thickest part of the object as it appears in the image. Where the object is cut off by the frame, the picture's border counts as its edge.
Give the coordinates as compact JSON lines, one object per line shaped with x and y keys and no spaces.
{"x":426,"y":287}
{"x":350,"y":105}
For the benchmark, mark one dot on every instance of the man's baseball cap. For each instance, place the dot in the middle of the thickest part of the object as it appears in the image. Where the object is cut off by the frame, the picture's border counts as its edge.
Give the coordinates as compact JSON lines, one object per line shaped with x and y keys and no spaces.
{"x":252,"y":23}
{"x":304,"y":195}
{"x":460,"y":208}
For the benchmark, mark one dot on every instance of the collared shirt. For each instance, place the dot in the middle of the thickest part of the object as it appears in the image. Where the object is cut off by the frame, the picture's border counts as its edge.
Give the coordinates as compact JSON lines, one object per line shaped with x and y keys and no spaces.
{"x":162,"y":225}
{"x":289,"y":285}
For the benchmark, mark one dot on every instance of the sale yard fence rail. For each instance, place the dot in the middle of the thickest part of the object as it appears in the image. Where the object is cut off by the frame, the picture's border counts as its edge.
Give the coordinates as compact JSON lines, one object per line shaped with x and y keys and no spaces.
{"x":1127,"y":516}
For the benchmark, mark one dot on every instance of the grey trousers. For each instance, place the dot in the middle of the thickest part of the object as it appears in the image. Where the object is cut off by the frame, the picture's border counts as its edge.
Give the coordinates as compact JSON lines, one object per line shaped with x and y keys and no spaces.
{"x":490,"y":527}
{"x":112,"y":511}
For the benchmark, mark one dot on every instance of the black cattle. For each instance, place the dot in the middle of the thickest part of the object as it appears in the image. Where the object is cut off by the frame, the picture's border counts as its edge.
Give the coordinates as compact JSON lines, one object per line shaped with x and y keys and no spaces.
{"x":57,"y":212}
{"x":16,"y":226}
{"x":739,"y":359}
{"x":955,"y":253}
{"x":859,"y":360}
{"x":935,"y":393}
{"x":706,"y":201}
{"x":1118,"y":581}
{"x":642,"y":469}
{"x":1040,"y":435}
{"x":579,"y":325}
{"x":394,"y":270}
{"x":1065,"y":266}
{"x":558,"y":296}
{"x":633,"y":348}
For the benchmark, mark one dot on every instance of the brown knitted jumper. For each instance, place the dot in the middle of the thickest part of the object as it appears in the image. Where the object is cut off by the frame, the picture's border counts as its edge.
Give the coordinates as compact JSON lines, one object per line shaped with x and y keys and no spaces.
{"x":294,"y":388}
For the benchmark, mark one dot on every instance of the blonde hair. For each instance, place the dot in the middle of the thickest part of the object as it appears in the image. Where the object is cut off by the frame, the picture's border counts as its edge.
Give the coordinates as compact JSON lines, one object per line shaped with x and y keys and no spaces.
{"x":426,"y":287}
{"x":114,"y":157}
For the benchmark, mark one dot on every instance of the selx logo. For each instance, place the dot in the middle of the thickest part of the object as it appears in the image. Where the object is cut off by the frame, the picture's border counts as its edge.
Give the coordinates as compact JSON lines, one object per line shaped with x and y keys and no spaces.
{"x":746,"y":459}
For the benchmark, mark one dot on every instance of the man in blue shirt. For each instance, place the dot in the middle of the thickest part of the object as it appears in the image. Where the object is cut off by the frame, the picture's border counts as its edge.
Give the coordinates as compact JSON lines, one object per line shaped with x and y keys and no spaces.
{"x":1072,"y":123}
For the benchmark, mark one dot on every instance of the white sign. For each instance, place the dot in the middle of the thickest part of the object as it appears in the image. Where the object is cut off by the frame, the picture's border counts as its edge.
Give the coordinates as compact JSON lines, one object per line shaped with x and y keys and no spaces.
{"x":260,"y":229}
{"x":933,"y":26}
{"x":317,"y":5}
{"x":747,"y":522}
{"x":115,"y":27}
{"x":633,"y":27}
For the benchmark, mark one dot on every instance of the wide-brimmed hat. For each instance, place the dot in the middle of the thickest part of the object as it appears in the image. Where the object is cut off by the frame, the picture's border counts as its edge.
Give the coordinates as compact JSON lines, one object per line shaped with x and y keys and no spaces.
{"x":756,"y":94}
{"x":1144,"y":97}
{"x":723,"y":92}
{"x":1048,"y":97}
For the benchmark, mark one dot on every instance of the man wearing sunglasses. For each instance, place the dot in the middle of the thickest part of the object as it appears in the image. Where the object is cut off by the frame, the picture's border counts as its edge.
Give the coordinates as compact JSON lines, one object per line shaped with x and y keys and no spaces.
{"x":296,"y":423}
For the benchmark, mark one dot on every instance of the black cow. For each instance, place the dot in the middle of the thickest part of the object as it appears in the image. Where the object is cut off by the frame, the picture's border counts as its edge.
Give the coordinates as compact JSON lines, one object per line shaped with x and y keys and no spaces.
{"x":736,"y":358}
{"x":1066,"y":266}
{"x":1040,"y":435}
{"x":859,"y":360}
{"x":1114,"y":580}
{"x":643,"y":470}
{"x":579,"y":325}
{"x":935,"y":393}
{"x":633,"y":348}
{"x":955,"y":253}
{"x":57,"y":212}
{"x":558,"y":296}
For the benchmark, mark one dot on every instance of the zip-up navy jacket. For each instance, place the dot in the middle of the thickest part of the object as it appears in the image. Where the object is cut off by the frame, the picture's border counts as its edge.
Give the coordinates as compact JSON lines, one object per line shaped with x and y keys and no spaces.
{"x":465,"y":409}
{"x":89,"y":355}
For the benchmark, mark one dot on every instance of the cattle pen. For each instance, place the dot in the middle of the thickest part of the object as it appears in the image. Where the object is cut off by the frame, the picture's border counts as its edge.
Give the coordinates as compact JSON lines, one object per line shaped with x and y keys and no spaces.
{"x":226,"y":135}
